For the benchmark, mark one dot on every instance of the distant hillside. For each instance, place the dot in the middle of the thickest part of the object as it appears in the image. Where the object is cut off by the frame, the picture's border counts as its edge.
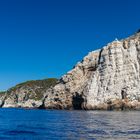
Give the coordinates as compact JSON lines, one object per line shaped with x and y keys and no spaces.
{"x":2,"y":92}
{"x":28,"y":94}
{"x":41,"y":84}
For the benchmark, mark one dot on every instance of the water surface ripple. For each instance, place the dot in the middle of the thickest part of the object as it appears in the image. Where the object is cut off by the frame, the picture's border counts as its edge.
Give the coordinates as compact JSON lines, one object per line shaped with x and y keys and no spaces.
{"x":19,"y":124}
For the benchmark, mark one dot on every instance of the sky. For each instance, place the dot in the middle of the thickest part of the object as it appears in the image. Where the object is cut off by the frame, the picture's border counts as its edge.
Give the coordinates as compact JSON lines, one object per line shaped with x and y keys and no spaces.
{"x":46,"y":38}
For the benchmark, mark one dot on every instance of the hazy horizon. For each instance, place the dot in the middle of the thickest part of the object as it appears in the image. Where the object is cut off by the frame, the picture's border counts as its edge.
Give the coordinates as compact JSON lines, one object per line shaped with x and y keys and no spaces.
{"x":42,"y":39}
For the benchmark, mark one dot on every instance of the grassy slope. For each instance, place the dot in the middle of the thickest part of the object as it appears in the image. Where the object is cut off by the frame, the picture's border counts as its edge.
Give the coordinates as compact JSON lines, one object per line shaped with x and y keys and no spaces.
{"x":45,"y":84}
{"x":34,"y":88}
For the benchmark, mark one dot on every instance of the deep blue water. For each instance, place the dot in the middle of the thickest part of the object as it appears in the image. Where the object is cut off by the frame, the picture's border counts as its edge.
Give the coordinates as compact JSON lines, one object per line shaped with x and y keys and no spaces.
{"x":19,"y":124}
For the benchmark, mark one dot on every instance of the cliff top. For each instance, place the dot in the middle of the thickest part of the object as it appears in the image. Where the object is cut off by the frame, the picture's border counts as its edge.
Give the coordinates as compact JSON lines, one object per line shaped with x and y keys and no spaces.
{"x":43,"y":84}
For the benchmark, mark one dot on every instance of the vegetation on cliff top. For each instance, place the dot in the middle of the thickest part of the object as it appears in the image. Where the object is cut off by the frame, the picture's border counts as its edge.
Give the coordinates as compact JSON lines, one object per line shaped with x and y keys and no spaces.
{"x":45,"y":84}
{"x":2,"y":92}
{"x":34,"y":89}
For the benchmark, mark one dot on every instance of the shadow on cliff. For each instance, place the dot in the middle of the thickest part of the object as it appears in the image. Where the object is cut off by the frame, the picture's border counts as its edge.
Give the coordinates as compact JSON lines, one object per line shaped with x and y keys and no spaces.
{"x":77,"y":101}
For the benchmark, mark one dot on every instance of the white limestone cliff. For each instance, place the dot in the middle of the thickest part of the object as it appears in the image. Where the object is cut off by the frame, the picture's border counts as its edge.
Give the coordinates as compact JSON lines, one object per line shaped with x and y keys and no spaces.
{"x":105,"y":79}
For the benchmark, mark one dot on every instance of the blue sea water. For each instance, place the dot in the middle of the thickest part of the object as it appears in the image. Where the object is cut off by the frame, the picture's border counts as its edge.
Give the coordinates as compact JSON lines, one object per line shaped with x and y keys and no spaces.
{"x":20,"y":124}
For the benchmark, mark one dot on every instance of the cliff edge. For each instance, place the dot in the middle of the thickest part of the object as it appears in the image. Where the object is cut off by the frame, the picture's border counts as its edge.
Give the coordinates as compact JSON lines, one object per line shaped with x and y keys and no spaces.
{"x":106,"y":79}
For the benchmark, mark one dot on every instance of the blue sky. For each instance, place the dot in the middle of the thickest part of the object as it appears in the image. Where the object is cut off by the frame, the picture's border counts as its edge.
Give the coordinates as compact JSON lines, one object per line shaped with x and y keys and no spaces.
{"x":46,"y":38}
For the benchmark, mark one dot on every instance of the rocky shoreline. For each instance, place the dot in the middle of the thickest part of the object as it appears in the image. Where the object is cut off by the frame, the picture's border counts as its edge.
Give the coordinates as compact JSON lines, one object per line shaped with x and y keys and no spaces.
{"x":106,"y":79}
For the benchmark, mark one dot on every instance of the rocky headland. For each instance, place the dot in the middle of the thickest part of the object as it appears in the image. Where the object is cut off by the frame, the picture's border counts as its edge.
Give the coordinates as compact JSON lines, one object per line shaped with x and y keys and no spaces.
{"x":106,"y":79}
{"x":26,"y":95}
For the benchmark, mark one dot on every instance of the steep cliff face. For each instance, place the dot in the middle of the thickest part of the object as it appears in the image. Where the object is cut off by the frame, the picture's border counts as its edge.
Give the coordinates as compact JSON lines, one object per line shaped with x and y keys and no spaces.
{"x":105,"y":79}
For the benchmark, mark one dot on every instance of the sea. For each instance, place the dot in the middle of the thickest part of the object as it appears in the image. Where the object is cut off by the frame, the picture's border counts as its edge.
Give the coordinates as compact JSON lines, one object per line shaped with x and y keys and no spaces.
{"x":24,"y":124}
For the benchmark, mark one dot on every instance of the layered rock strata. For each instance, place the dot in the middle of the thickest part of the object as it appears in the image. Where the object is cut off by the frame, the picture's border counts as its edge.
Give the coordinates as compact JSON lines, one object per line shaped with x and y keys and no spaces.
{"x":105,"y":79}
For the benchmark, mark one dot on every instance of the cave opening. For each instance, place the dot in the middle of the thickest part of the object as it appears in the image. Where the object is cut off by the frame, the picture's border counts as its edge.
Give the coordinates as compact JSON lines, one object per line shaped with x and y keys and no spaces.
{"x":123,"y":94}
{"x":77,"y":101}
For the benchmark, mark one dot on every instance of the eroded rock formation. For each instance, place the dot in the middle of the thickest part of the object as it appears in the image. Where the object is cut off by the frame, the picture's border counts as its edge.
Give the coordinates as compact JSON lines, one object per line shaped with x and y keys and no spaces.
{"x":26,"y":95}
{"x":105,"y":79}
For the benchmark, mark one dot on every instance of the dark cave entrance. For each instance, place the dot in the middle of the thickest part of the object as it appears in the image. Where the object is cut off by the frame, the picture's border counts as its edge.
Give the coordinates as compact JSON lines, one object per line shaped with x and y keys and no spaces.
{"x":77,"y":101}
{"x":124,"y":94}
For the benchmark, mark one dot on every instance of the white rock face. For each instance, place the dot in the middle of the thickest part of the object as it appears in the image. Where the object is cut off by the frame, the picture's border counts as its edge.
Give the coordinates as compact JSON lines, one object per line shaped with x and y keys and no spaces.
{"x":23,"y":97}
{"x":29,"y":94}
{"x":106,"y":79}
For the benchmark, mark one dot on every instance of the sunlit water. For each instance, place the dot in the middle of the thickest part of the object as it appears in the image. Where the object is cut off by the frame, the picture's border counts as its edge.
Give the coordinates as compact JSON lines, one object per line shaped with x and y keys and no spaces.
{"x":18,"y":124}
